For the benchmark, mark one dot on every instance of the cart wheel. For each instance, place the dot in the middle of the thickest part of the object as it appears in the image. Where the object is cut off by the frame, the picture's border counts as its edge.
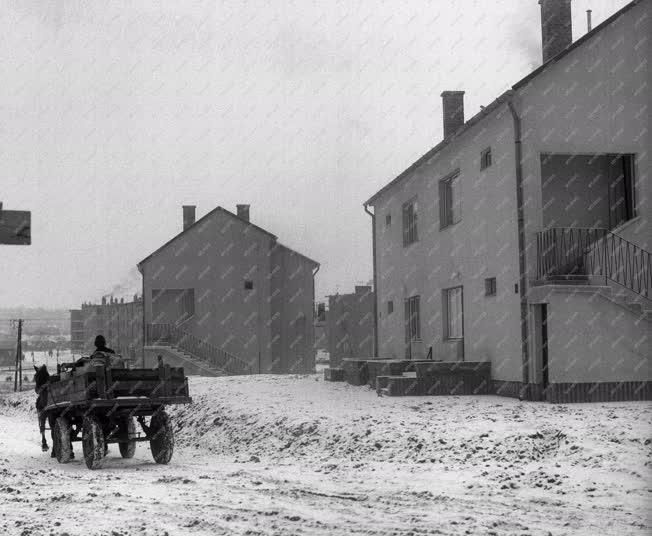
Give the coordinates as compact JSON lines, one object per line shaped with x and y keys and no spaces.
{"x":127,"y":450}
{"x":61,"y":440}
{"x":92,"y":442}
{"x":162,"y":437}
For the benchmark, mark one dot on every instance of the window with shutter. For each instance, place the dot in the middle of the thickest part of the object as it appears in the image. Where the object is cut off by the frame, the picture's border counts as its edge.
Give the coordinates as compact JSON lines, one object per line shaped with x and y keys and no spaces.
{"x":453,"y":313}
{"x":450,"y":200}
{"x":410,"y":223}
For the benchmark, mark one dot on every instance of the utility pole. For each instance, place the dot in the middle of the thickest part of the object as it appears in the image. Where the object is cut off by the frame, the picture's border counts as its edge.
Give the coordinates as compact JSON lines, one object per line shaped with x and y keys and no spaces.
{"x":18,"y":372}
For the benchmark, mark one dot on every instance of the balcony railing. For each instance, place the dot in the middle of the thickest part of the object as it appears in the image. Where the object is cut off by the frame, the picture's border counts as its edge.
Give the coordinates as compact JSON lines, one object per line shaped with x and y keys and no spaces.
{"x":170,"y":335}
{"x":570,"y":251}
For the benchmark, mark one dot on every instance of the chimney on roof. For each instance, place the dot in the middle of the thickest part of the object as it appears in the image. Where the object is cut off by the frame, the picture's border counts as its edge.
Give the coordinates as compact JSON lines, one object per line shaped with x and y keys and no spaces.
{"x":556,"y":27}
{"x":453,"y":103}
{"x":588,"y":20}
{"x":188,"y":216}
{"x":243,"y":212}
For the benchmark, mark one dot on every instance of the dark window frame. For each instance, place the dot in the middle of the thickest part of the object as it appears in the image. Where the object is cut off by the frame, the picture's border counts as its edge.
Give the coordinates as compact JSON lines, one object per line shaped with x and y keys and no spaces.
{"x":447,"y":215}
{"x":485,"y":159}
{"x":490,"y":286}
{"x":446,"y":310}
{"x":248,"y":284}
{"x":388,"y":220}
{"x":412,"y":318}
{"x":410,"y":213}
{"x":390,"y":307}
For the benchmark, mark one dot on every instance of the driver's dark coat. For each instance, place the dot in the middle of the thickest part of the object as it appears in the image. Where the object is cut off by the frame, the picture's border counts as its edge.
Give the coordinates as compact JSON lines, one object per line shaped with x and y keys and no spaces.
{"x":85,"y":359}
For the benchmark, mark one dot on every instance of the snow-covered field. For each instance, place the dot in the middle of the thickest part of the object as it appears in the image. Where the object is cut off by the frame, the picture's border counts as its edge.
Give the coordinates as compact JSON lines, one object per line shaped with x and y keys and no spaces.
{"x":297,"y":455}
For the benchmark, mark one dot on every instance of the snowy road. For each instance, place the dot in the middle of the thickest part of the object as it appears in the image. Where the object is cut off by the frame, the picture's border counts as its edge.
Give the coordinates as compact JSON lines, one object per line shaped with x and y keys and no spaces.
{"x":317,"y":458}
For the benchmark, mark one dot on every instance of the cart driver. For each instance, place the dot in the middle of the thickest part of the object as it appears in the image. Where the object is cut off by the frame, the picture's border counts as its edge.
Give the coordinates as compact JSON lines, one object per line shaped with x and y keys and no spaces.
{"x":100,"y":347}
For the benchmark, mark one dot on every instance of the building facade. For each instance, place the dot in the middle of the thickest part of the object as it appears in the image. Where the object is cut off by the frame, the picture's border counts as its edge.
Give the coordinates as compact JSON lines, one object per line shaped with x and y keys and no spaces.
{"x":350,"y":325}
{"x":233,"y":289}
{"x":523,"y":238}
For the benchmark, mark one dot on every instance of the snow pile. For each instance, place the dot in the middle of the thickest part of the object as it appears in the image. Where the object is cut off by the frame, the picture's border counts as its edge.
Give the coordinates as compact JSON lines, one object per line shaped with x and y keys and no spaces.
{"x":18,"y":403}
{"x":290,"y":417}
{"x":295,"y":454}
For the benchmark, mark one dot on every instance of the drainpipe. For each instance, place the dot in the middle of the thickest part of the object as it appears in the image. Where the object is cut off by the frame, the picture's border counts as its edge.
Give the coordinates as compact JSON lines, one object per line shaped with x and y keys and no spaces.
{"x":373,"y":238}
{"x":518,"y":152}
{"x":314,"y":350}
{"x":141,"y":269}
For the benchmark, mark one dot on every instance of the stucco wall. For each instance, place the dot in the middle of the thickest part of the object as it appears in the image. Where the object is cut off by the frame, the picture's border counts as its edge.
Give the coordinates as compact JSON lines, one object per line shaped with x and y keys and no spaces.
{"x":292,"y":305}
{"x":596,"y":99}
{"x":215,"y":257}
{"x":483,"y":244}
{"x":591,"y":339}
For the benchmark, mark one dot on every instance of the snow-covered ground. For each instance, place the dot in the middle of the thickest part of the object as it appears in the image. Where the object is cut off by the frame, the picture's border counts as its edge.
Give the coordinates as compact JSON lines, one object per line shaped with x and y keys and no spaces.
{"x":297,"y":455}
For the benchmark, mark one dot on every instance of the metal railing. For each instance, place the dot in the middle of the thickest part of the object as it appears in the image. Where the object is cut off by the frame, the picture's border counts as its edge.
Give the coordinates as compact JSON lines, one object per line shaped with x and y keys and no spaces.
{"x":575,"y":251}
{"x":170,"y":335}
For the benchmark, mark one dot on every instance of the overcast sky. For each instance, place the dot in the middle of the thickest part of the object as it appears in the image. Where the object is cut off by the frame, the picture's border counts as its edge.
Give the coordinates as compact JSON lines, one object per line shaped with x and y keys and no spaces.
{"x":113,"y":114}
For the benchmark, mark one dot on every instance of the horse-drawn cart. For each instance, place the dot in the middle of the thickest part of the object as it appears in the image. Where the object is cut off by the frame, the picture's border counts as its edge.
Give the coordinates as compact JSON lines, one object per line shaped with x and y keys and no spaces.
{"x":102,"y":405}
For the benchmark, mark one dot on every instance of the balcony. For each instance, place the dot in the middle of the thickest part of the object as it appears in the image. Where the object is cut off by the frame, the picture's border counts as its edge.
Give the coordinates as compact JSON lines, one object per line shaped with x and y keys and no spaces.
{"x":583,"y":254}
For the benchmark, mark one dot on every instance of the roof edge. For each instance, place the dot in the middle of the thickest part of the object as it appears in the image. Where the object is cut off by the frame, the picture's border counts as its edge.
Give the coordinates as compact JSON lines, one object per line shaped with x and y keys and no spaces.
{"x":200,"y":220}
{"x":578,"y":42}
{"x":297,"y":253}
{"x":484,"y":112}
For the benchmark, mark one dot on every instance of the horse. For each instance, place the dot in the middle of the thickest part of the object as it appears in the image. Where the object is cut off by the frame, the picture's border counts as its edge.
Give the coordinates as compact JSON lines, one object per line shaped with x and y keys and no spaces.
{"x":41,"y":378}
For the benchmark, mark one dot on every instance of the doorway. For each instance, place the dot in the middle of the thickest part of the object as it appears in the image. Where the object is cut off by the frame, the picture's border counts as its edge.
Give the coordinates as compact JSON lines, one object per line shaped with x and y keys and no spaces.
{"x":621,"y":189}
{"x":540,"y":370}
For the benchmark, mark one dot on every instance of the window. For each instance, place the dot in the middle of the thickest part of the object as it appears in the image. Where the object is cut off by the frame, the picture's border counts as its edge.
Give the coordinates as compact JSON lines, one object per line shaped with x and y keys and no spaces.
{"x":410,"y":223}
{"x":248,"y":284}
{"x":390,"y":307}
{"x":453,"y":313}
{"x":450,"y":200}
{"x":485,"y":158}
{"x":490,"y":286}
{"x":388,"y":220}
{"x":412,"y":319}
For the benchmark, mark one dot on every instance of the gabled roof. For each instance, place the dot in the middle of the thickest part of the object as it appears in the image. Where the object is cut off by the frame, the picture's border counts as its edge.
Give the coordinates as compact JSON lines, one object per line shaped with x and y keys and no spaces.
{"x":444,"y":143}
{"x":503,"y":98}
{"x":199,"y":221}
{"x":273,"y":237}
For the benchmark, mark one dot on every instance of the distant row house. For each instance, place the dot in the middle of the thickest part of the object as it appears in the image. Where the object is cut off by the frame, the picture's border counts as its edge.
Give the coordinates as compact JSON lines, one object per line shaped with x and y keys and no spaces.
{"x":120,"y":322}
{"x":524,"y":237}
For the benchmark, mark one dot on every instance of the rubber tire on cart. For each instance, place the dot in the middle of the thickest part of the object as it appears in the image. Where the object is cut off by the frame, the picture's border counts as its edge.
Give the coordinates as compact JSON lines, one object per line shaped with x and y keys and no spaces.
{"x":161,"y":437}
{"x":61,"y":439}
{"x":93,"y":442}
{"x":127,"y":426}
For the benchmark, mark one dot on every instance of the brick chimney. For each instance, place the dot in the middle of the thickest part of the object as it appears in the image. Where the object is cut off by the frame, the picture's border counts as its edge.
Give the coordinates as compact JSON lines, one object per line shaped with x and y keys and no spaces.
{"x":188,"y":216}
{"x":453,"y":103}
{"x":556,"y":27}
{"x":243,"y":212}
